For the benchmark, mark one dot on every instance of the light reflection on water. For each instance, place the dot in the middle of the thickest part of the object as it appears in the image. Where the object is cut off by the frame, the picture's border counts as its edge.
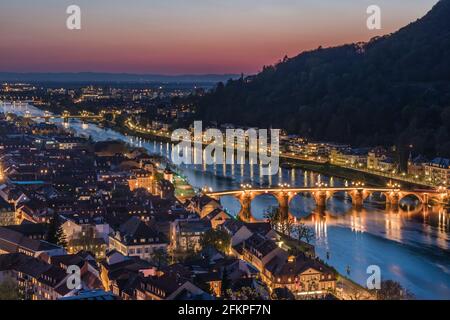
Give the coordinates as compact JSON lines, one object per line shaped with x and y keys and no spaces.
{"x":410,"y":246}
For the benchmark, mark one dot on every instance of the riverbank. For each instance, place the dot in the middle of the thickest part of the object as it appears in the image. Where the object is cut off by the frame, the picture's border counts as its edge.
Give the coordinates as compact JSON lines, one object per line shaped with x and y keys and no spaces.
{"x":370,"y":179}
{"x":324,"y":167}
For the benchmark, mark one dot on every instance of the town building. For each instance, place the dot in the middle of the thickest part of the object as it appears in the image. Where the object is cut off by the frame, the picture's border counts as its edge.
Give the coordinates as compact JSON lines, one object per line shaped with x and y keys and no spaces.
{"x":12,"y":241}
{"x":416,"y":166}
{"x":303,"y":276}
{"x":438,"y":171}
{"x":137,"y":239}
{"x":349,"y":157}
{"x":141,"y":179}
{"x":378,"y":160}
{"x":36,"y":279}
{"x":217,"y":217}
{"x":186,"y":234}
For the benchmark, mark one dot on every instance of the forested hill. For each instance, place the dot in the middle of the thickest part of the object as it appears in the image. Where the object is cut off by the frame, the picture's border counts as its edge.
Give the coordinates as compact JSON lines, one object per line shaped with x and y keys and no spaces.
{"x":391,"y":90}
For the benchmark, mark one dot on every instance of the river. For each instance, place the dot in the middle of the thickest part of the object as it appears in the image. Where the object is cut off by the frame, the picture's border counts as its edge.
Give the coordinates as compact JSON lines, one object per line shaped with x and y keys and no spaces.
{"x":410,"y":246}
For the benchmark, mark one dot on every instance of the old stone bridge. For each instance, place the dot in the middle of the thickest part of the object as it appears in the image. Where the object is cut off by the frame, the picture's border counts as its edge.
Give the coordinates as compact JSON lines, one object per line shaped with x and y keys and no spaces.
{"x":392,"y":196}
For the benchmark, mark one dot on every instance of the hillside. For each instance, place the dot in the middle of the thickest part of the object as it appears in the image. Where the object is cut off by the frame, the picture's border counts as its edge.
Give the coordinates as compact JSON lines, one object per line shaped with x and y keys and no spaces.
{"x":392,"y":90}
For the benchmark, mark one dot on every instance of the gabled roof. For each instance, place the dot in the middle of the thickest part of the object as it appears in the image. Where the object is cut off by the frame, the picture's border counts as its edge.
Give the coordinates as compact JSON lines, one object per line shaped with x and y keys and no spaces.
{"x":281,"y":267}
{"x":29,"y":229}
{"x":134,"y":228}
{"x":441,"y":162}
{"x":213,"y":214}
{"x":11,"y":241}
{"x":193,"y":225}
{"x":46,"y":273}
{"x":259,"y":244}
{"x":259,"y":227}
{"x":232,"y":225}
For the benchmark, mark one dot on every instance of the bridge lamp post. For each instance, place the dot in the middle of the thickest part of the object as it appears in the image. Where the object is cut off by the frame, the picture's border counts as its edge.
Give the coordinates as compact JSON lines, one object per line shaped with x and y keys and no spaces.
{"x":284,"y":185}
{"x":358,"y":184}
{"x":321,"y":185}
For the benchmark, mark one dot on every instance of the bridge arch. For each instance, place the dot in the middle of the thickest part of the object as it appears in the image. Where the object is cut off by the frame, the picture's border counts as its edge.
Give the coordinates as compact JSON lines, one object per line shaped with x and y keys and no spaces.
{"x":230,"y":204}
{"x":266,"y":202}
{"x":377,"y":198}
{"x":420,"y":198}
{"x":302,"y":204}
{"x":339,"y":202}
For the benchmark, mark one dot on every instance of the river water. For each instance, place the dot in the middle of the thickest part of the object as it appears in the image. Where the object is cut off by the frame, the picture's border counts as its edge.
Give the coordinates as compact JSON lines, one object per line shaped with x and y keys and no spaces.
{"x":410,"y":246}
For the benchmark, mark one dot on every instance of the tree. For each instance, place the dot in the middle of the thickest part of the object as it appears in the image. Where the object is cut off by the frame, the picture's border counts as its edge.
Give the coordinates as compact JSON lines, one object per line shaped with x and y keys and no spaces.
{"x":287,"y":226}
{"x":9,"y":290}
{"x":219,"y":239}
{"x":370,"y":99}
{"x":55,"y":233}
{"x":303,"y":232}
{"x":274,"y":216}
{"x":392,"y":290}
{"x":160,"y":257}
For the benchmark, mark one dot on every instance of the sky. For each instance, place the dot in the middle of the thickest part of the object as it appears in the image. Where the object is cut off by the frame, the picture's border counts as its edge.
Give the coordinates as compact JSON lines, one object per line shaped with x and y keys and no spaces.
{"x":184,"y":36}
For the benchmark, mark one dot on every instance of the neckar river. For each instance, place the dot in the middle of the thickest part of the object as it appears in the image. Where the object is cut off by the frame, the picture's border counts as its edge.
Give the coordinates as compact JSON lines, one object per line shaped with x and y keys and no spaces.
{"x":410,"y":246}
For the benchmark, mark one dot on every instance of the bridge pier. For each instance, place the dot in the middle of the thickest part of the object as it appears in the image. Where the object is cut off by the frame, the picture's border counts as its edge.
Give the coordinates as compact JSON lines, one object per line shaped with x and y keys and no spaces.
{"x":321,"y":199}
{"x":358,"y":196}
{"x":393,"y":200}
{"x":283,"y":203}
{"x":245,"y":200}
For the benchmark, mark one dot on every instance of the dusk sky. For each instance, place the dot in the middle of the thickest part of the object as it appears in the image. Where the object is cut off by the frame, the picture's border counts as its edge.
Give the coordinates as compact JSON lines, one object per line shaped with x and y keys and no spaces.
{"x":184,"y":36}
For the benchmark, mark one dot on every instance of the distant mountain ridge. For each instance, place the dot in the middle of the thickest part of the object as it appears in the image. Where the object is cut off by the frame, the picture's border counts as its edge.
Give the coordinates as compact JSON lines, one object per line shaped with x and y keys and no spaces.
{"x":391,"y":90}
{"x":112,"y":77}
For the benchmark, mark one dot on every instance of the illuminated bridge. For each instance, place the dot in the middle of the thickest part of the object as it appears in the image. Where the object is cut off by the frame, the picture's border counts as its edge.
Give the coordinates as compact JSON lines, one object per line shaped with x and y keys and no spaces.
{"x":321,"y":194}
{"x":65,"y":116}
